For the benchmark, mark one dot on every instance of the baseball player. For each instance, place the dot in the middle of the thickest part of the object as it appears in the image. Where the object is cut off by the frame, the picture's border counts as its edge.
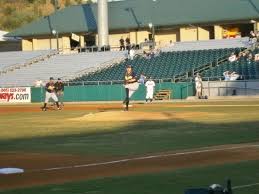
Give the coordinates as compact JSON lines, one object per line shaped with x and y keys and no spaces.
{"x":50,"y":93}
{"x":198,"y":86}
{"x":131,"y":85}
{"x":150,"y":85}
{"x":59,"y":88}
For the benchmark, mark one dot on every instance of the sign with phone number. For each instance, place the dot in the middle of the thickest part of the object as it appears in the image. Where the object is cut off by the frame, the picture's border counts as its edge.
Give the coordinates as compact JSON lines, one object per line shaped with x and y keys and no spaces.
{"x":15,"y":95}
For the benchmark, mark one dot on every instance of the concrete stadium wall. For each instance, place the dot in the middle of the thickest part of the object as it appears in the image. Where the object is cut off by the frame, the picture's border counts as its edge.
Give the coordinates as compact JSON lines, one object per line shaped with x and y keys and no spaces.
{"x":188,"y":34}
{"x":203,"y":34}
{"x":114,"y":92}
{"x":226,"y":88}
{"x":27,"y":45}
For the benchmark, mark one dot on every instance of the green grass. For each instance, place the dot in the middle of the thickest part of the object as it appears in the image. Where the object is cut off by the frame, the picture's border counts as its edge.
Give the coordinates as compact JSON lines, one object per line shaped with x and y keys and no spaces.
{"x":174,"y":182}
{"x":53,"y":132}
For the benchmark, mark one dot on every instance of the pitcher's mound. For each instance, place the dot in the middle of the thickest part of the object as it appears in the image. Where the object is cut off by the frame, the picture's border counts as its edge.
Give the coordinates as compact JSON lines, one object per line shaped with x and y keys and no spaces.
{"x":135,"y":116}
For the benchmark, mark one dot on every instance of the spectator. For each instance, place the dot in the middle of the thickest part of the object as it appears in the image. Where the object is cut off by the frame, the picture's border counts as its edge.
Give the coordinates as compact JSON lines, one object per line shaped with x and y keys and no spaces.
{"x":250,"y":58}
{"x":240,"y":56}
{"x":257,"y":57}
{"x":127,"y":43}
{"x":226,"y":75}
{"x":244,"y":55}
{"x":142,"y":78}
{"x":131,"y":53}
{"x":122,"y":44}
{"x":152,"y":54}
{"x":252,"y":36}
{"x":38,"y":83}
{"x":234,"y":76}
{"x":232,"y":58}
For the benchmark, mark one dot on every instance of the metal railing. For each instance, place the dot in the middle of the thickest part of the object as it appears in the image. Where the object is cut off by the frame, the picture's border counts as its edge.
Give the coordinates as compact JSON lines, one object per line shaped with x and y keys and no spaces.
{"x":111,"y":82}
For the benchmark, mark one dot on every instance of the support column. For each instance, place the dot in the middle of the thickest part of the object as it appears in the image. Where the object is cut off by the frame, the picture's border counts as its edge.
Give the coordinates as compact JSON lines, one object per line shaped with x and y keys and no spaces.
{"x":103,"y":31}
{"x":218,"y":31}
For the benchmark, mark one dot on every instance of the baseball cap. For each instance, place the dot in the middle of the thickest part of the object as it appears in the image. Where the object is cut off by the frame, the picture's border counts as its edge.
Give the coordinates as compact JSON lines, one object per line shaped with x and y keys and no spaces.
{"x":51,"y":78}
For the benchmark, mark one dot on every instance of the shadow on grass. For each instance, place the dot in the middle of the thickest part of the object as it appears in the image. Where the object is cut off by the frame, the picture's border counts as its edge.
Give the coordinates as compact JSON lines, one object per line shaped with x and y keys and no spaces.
{"x":139,"y":138}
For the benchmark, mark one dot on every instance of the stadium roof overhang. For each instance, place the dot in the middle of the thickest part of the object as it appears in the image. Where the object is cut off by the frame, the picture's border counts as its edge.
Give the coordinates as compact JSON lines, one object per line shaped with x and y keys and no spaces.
{"x":137,"y":14}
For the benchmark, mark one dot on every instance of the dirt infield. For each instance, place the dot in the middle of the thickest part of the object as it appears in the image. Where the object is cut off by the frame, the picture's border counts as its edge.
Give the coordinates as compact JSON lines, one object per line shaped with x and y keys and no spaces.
{"x":33,"y":108}
{"x":137,"y":115}
{"x":43,"y":169}
{"x":6,"y":109}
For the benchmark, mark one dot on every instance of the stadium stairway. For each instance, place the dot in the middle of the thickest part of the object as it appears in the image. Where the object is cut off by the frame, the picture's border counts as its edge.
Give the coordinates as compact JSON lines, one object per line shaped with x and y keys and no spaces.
{"x":64,"y":66}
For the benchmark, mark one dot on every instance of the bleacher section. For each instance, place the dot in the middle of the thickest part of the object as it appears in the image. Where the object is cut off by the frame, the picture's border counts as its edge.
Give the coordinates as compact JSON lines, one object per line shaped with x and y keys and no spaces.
{"x":247,"y":69}
{"x":208,"y":44}
{"x":166,"y":65}
{"x":18,"y":57}
{"x":57,"y":66}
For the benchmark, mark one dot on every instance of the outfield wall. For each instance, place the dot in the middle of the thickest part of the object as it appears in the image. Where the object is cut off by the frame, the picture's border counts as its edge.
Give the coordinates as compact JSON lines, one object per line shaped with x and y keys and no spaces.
{"x":113,"y":92}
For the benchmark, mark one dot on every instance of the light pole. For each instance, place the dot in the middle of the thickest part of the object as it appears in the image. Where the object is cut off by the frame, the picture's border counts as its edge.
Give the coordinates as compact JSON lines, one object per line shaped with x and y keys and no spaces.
{"x":152,"y":29}
{"x":55,"y":33}
{"x":151,"y":25}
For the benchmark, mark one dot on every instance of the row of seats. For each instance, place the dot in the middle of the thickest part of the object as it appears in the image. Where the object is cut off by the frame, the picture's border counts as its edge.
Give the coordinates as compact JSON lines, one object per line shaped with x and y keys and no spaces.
{"x":18,"y":57}
{"x":57,"y":66}
{"x":244,"y":67}
{"x":166,"y":65}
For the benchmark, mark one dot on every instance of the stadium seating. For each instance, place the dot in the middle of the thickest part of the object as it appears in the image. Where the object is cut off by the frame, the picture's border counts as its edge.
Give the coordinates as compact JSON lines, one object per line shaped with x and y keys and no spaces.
{"x":57,"y":66}
{"x":247,"y":69}
{"x":18,"y":57}
{"x":166,"y":65}
{"x":208,"y":44}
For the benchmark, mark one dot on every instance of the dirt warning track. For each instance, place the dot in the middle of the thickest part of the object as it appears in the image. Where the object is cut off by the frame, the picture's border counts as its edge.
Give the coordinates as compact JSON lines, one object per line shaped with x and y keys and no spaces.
{"x":43,"y":169}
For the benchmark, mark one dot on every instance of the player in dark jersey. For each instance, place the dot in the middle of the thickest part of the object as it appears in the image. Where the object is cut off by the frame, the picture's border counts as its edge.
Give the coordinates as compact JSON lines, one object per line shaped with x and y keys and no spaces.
{"x":50,"y":93}
{"x":59,"y":88}
{"x":131,"y":85}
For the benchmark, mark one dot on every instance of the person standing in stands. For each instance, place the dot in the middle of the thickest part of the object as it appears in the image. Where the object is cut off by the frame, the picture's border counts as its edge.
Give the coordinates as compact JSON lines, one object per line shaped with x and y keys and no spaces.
{"x":127,"y":43}
{"x":131,"y":53}
{"x":142,"y":79}
{"x":59,"y":87}
{"x":131,"y":85}
{"x":122,"y":44}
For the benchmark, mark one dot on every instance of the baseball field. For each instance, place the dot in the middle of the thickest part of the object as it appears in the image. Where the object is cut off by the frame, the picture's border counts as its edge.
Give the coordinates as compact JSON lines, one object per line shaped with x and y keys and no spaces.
{"x":161,"y":148}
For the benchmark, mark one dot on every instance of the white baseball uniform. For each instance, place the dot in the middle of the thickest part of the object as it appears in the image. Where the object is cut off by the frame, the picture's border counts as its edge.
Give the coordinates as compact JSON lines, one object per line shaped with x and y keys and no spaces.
{"x":199,"y":87}
{"x":150,"y":85}
{"x":49,"y":95}
{"x":132,"y":88}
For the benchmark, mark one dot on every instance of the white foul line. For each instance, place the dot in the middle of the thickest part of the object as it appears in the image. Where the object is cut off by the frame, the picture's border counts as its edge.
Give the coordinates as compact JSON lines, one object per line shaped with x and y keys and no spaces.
{"x":142,"y":158}
{"x":245,"y":186}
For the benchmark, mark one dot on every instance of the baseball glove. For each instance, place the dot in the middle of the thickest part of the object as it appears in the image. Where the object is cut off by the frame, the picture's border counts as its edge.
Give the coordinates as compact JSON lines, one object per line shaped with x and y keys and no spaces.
{"x":51,"y":88}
